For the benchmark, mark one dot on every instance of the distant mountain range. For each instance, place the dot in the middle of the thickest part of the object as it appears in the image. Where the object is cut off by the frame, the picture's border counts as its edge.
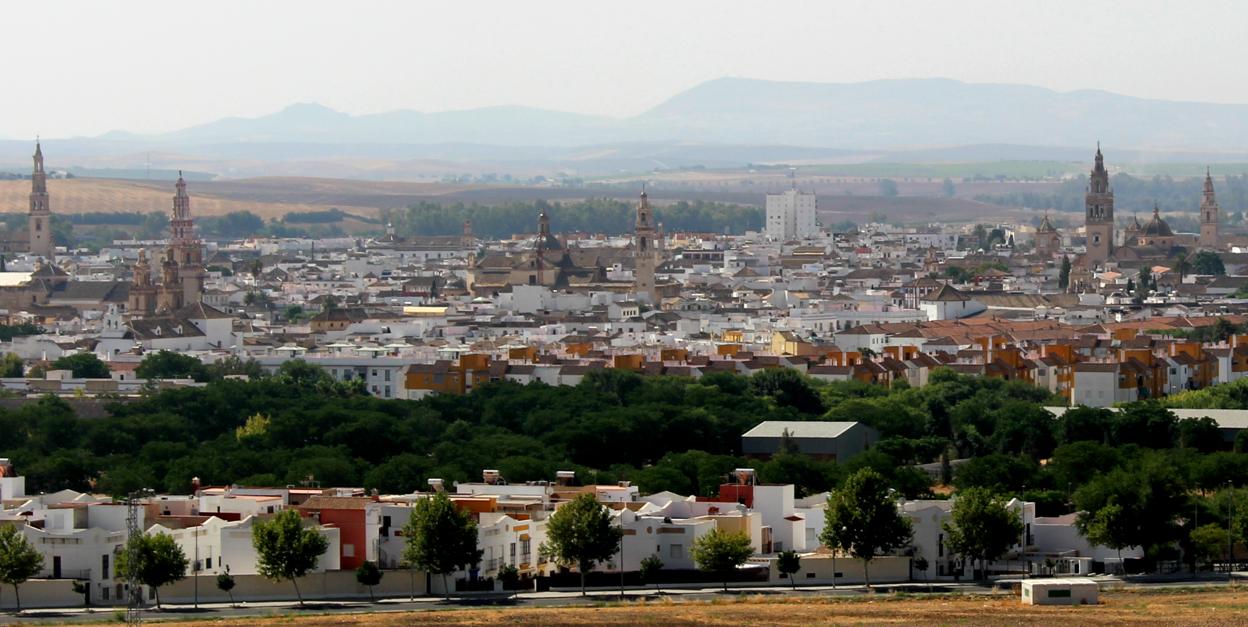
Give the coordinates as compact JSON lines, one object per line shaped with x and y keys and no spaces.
{"x":720,"y":123}
{"x":876,"y":115}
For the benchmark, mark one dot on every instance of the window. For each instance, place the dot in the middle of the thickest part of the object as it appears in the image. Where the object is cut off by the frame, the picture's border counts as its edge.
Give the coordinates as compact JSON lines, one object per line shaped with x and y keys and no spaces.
{"x":348,"y":550}
{"x":1059,"y":593}
{"x":208,"y":563}
{"x":104,"y":566}
{"x":940,"y":545}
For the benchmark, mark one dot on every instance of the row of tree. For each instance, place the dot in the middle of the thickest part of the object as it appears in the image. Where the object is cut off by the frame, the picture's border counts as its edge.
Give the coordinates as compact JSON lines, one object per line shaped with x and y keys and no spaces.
{"x":1136,"y":194}
{"x":598,"y":215}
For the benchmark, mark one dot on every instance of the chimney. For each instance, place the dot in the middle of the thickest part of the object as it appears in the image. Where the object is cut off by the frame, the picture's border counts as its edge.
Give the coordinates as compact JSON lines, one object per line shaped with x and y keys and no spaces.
{"x":564,"y":477}
{"x":436,"y":484}
{"x":195,"y":485}
{"x":489,"y":476}
{"x":745,"y":476}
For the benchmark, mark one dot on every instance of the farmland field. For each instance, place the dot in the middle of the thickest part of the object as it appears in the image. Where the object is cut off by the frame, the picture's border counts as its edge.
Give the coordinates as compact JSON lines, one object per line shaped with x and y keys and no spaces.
{"x":274,"y":197}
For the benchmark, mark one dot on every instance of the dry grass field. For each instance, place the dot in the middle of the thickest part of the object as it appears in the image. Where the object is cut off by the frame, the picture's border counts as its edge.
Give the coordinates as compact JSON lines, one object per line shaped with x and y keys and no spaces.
{"x":1154,"y":607}
{"x":83,"y":195}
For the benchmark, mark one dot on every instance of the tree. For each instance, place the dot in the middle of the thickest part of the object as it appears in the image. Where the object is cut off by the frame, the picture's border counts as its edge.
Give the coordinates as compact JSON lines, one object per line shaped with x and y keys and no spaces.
{"x":158,"y":561}
{"x":981,"y":526}
{"x":439,"y":538}
{"x":170,"y":365}
{"x":1208,"y":542}
{"x":862,"y":519}
{"x":225,"y":583}
{"x":650,"y":567}
{"x":301,"y":373}
{"x":920,"y":564}
{"x":580,"y":534}
{"x":788,"y":563}
{"x":947,"y":189}
{"x":1208,"y":262}
{"x":235,"y":365}
{"x":1135,"y":505}
{"x":11,"y":366}
{"x":83,"y":588}
{"x":788,"y":387}
{"x":285,"y":549}
{"x":721,"y":552}
{"x":888,"y":187}
{"x":1001,"y":473}
{"x":83,"y":366}
{"x":368,"y":575}
{"x":1109,"y":526}
{"x":1063,"y":275}
{"x":510,"y":576}
{"x":1182,"y":265}
{"x":19,"y":560}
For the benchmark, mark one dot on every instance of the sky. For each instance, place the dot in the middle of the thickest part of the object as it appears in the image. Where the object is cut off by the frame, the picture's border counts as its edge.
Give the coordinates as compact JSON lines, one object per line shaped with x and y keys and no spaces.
{"x":86,"y":67}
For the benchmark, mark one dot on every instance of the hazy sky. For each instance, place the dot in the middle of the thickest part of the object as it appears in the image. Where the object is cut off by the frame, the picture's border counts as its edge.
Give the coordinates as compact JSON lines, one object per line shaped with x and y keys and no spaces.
{"x":80,"y":68}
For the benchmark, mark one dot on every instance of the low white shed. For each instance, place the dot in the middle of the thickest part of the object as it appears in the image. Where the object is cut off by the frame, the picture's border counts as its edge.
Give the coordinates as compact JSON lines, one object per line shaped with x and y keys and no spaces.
{"x":1063,"y":591}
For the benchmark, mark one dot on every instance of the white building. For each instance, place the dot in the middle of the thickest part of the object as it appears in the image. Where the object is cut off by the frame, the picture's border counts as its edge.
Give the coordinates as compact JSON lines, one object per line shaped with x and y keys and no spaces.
{"x":218,"y":545}
{"x":791,"y":215}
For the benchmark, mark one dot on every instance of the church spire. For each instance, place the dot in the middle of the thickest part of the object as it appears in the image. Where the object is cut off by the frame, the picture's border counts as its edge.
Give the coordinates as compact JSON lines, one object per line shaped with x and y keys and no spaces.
{"x":39,"y":220}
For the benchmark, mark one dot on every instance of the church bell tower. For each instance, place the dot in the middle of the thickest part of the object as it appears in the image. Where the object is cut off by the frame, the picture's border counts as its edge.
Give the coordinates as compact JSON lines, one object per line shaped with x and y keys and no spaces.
{"x":1099,"y":213}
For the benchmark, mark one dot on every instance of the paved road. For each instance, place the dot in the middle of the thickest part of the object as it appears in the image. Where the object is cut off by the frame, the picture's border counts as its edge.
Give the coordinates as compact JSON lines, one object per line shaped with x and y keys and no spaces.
{"x":528,"y":599}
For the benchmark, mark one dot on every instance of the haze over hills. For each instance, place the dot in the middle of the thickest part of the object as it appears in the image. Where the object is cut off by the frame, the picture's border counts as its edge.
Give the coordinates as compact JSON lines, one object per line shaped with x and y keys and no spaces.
{"x":728,"y":122}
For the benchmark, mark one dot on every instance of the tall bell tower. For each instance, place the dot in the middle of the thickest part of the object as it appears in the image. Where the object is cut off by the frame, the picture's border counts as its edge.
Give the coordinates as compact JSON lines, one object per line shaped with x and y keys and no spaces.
{"x":40,"y":218}
{"x":1209,"y":213}
{"x":1099,"y":213}
{"x":645,"y":252}
{"x":186,"y":251}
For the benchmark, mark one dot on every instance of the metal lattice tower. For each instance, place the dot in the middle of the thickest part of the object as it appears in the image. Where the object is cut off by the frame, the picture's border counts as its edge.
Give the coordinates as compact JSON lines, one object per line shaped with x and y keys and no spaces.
{"x":133,"y":531}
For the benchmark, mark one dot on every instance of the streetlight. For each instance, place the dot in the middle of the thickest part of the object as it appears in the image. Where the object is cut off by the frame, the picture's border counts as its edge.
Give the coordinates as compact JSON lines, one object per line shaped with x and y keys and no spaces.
{"x":195,"y":573}
{"x":1230,"y":538}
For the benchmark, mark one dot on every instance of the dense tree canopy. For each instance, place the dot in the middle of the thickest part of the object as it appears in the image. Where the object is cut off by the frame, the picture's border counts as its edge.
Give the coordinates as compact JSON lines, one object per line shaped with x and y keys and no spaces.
{"x":662,"y":433}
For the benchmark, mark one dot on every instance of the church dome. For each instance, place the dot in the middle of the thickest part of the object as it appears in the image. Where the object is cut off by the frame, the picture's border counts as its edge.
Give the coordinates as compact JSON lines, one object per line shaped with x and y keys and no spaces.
{"x":1156,"y":227}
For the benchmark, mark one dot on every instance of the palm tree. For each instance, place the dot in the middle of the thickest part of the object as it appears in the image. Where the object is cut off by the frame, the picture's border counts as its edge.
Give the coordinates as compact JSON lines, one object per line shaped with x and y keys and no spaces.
{"x":1182,"y":265}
